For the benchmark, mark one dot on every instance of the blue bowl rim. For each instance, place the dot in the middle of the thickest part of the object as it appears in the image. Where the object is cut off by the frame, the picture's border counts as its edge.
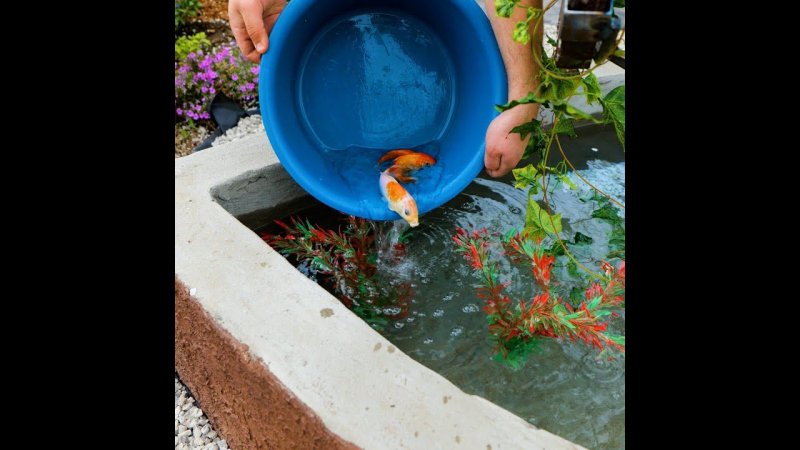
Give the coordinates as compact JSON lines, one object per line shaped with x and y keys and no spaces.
{"x":292,"y":14}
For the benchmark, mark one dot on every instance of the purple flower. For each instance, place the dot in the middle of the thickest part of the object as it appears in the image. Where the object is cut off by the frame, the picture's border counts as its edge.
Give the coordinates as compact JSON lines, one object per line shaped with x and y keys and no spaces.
{"x":212,"y":90}
{"x":254,"y":70}
{"x":203,"y":89}
{"x":184,"y":69}
{"x":191,"y":55}
{"x":206,"y":63}
{"x":250,"y":86}
{"x":231,"y":60}
{"x":179,"y":111}
{"x":235,"y":77}
{"x":242,"y":88}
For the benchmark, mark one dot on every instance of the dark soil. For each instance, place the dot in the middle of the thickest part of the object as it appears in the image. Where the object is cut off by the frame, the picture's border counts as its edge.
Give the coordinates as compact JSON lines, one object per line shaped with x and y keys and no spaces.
{"x":214,"y":9}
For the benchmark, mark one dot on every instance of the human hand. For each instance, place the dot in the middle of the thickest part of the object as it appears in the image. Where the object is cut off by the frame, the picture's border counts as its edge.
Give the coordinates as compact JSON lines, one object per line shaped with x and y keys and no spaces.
{"x":504,"y":149}
{"x":251,"y":22}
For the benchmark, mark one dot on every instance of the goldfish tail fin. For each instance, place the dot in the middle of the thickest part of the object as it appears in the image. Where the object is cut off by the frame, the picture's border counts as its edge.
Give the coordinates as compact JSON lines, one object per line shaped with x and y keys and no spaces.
{"x":393,"y":154}
{"x":405,"y":178}
{"x":400,"y":174}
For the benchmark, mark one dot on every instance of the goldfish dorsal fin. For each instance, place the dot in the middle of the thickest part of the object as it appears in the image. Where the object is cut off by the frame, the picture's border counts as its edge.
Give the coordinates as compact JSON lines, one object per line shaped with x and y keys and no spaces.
{"x":390,"y":155}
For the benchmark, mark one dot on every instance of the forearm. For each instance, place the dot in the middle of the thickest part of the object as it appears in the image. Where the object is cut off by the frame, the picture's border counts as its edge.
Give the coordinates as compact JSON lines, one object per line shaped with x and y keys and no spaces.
{"x":521,"y":67}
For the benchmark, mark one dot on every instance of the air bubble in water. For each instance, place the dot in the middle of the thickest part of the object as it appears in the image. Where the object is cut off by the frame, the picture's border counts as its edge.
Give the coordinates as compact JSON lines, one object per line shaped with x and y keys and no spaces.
{"x":471,"y":308}
{"x":391,"y":311}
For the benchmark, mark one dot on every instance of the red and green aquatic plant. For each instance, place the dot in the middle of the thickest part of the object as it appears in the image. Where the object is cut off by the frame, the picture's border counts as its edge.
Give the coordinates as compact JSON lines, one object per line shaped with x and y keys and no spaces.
{"x":346,"y":262}
{"x":516,"y":326}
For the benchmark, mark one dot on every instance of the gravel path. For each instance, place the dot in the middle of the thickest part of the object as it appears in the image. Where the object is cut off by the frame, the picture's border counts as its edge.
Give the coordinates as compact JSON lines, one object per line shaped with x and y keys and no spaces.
{"x":246,"y":126}
{"x":192,"y":430}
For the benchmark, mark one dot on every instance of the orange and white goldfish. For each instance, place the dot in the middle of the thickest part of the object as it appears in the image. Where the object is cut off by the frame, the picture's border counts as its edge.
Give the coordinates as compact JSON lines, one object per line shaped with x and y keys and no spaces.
{"x":406,"y":161}
{"x":400,"y":201}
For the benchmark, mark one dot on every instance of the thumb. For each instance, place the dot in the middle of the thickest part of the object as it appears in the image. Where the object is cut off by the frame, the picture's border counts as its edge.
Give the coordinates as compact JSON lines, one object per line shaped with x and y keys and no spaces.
{"x":491,"y":160}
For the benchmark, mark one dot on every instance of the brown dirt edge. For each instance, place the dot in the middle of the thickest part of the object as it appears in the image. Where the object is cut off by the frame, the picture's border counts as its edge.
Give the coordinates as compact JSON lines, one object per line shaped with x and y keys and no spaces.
{"x":245,"y":402}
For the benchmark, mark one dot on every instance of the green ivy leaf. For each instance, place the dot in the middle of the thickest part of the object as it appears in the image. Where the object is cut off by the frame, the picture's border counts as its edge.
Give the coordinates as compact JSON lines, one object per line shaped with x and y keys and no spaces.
{"x":591,"y":88}
{"x":521,"y":33}
{"x":556,"y":249}
{"x":572,"y":268}
{"x":617,"y":236}
{"x":566,"y":126}
{"x":525,"y":176}
{"x":530,"y":98}
{"x":551,"y":41}
{"x":566,"y":180}
{"x":526,"y":128}
{"x":616,"y":243}
{"x":504,"y":8}
{"x":608,"y":213}
{"x":614,"y":111}
{"x":575,"y":112}
{"x":565,"y":88}
{"x":581,"y":238}
{"x":539,"y":222}
{"x":538,"y":141}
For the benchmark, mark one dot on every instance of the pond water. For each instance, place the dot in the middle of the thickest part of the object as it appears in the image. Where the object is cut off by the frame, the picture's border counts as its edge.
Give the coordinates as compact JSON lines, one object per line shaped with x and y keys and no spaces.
{"x":563,"y":387}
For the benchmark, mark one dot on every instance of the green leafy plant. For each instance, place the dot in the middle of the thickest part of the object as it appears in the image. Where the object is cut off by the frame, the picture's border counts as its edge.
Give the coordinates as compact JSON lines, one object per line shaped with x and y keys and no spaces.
{"x":346,"y":262}
{"x":186,"y":10}
{"x":190,"y":44}
{"x":517,"y":326}
{"x":554,"y":92}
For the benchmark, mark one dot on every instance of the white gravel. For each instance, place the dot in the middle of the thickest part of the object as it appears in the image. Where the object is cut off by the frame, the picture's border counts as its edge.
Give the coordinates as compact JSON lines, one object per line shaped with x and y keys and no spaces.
{"x":246,"y":126}
{"x":192,"y":429}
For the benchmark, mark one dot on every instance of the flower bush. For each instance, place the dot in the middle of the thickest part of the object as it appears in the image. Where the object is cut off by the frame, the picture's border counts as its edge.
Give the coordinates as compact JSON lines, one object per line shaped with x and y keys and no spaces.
{"x":201,"y":75}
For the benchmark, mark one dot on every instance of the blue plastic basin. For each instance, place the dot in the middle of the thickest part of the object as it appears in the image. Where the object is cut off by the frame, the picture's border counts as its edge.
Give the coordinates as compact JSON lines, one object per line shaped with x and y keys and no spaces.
{"x":344,"y":81}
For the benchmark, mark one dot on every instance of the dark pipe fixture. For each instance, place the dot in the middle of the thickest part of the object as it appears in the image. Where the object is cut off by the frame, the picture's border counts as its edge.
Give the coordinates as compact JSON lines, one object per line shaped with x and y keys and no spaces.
{"x":226,"y":114}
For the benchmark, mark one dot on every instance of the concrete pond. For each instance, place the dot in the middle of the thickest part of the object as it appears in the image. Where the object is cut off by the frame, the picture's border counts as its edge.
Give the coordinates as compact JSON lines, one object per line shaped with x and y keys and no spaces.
{"x":276,"y":361}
